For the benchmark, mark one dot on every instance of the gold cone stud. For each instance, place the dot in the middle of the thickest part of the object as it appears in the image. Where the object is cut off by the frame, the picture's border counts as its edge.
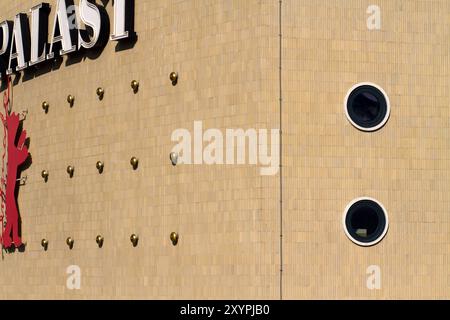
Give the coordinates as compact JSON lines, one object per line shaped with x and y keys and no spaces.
{"x":99,"y":239}
{"x":44,"y":175}
{"x":70,"y":171}
{"x":45,"y":106}
{"x":174,"y":238}
{"x":100,"y":93}
{"x":135,"y":86}
{"x":134,"y":239}
{"x":69,"y":242}
{"x":134,"y":162}
{"x":173,"y":78}
{"x":70,"y":99}
{"x":44,"y":244}
{"x":100,"y":165}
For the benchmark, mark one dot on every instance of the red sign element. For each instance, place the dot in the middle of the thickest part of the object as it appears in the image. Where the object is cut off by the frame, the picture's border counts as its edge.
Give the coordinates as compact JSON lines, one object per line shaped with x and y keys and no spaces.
{"x":17,"y":153}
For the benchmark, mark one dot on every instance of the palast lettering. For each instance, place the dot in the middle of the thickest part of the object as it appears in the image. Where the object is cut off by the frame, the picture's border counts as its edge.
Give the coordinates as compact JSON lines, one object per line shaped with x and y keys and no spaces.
{"x":25,"y":41}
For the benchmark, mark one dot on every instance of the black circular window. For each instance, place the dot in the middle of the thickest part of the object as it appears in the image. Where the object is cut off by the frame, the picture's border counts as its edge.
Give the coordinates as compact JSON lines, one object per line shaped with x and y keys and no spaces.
{"x":365,"y":222}
{"x":367,"y":107}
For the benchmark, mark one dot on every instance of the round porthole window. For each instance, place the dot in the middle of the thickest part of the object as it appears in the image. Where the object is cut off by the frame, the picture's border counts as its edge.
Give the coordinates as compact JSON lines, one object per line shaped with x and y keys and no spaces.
{"x":367,"y":106}
{"x":365,"y":221}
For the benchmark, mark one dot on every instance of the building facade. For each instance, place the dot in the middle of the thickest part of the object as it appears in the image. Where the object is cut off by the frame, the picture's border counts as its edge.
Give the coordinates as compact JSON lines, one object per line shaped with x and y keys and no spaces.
{"x":283,"y":66}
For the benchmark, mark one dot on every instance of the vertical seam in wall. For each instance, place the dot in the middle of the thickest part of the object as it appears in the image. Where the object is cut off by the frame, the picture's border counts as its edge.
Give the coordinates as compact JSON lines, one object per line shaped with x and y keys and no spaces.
{"x":281,"y":147}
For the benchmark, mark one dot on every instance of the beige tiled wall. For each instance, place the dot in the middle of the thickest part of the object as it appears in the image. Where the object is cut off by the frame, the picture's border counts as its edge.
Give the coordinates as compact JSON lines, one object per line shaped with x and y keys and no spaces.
{"x":405,"y":165}
{"x":228,"y":217}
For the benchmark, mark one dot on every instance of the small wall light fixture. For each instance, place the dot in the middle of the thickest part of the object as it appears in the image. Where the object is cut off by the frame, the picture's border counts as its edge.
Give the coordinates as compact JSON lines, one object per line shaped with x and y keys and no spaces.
{"x":44,"y":175}
{"x":100,"y":165}
{"x":174,"y":238}
{"x":134,"y":162}
{"x":45,"y":106}
{"x":173,"y":78}
{"x":70,"y":171}
{"x":99,"y":239}
{"x":44,"y":244}
{"x":173,"y":158}
{"x":134,"y":239}
{"x":69,"y":242}
{"x":70,"y":100}
{"x":135,"y":86}
{"x":100,"y":93}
